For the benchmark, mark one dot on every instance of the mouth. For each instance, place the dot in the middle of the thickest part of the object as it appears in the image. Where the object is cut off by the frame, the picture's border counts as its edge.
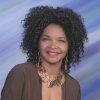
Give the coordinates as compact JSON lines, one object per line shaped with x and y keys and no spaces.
{"x":52,"y":54}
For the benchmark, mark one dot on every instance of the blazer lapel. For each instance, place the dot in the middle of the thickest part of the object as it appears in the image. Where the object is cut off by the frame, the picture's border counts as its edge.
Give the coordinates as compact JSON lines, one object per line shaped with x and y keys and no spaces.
{"x":38,"y":85}
{"x":65,"y":91}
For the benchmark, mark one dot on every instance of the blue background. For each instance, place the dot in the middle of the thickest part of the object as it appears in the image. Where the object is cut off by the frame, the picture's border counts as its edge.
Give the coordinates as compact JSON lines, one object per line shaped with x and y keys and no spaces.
{"x":87,"y":72}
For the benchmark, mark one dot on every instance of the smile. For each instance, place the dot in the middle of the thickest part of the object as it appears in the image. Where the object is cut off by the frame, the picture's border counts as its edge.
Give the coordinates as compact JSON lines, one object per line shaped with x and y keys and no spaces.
{"x":53,"y":54}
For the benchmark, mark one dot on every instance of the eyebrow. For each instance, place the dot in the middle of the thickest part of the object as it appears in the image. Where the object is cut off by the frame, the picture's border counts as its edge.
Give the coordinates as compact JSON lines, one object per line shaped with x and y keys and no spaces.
{"x":45,"y":36}
{"x":58,"y":37}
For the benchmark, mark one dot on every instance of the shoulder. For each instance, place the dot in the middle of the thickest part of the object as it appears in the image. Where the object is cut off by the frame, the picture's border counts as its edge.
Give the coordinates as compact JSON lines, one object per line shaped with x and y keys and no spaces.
{"x":15,"y":81}
{"x":22,"y":69}
{"x":72,"y":81}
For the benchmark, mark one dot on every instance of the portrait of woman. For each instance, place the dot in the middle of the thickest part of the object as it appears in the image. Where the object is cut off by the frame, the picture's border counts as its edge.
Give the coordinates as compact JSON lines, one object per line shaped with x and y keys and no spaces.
{"x":53,"y":40}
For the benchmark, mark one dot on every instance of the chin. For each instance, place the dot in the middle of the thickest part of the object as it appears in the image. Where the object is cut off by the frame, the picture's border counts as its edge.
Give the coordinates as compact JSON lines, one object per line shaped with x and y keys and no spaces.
{"x":53,"y":61}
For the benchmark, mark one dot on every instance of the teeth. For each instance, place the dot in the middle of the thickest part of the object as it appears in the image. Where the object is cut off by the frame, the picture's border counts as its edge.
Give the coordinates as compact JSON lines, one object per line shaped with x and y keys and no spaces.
{"x":52,"y":53}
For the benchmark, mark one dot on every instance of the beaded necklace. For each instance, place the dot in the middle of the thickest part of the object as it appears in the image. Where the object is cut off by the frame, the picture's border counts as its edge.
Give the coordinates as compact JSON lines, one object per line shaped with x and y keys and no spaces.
{"x":55,"y":81}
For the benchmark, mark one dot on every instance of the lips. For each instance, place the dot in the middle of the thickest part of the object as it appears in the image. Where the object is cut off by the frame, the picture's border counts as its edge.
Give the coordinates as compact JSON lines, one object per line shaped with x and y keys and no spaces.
{"x":52,"y":54}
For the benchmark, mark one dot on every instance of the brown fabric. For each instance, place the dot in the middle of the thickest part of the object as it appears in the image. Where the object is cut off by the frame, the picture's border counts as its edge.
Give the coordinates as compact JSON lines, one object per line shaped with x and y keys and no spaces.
{"x":24,"y":83}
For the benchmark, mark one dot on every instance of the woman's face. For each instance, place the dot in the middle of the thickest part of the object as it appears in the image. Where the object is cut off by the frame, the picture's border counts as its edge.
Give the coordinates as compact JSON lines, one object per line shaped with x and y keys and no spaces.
{"x":53,"y":45}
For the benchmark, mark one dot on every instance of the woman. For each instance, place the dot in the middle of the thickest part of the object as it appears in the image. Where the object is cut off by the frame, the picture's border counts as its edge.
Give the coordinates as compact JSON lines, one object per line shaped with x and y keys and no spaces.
{"x":53,"y":40}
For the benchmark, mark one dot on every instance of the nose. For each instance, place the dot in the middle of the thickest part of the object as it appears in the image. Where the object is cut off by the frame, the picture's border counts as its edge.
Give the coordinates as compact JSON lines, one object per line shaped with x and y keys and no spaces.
{"x":53,"y":45}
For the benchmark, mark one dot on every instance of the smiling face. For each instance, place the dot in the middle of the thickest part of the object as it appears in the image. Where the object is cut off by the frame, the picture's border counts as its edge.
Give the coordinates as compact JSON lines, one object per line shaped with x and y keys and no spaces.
{"x":53,"y":45}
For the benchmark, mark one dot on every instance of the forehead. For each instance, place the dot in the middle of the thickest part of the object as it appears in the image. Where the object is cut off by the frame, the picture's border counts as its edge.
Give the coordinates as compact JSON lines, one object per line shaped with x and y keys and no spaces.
{"x":53,"y":30}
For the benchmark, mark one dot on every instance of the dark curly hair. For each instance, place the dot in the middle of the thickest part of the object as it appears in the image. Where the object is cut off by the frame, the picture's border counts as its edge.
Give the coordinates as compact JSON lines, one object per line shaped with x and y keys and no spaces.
{"x":39,"y":18}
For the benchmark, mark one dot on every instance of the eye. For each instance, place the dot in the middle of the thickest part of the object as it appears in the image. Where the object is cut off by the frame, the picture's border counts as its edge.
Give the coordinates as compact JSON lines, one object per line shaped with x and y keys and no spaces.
{"x":63,"y":41}
{"x":44,"y":39}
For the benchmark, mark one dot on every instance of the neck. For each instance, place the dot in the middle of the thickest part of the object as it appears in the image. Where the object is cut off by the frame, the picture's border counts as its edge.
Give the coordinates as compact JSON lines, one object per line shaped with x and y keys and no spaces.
{"x":52,"y":69}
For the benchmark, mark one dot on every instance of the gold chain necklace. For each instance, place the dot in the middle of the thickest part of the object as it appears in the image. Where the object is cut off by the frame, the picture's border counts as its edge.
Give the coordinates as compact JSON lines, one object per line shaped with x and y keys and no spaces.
{"x":56,"y":81}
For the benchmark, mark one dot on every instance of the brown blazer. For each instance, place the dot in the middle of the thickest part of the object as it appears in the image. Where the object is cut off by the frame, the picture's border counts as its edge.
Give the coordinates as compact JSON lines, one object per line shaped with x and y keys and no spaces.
{"x":23,"y":83}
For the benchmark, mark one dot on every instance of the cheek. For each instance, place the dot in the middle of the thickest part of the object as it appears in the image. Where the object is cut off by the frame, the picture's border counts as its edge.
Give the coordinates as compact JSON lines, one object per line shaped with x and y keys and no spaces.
{"x":42,"y":46}
{"x":65,"y":49}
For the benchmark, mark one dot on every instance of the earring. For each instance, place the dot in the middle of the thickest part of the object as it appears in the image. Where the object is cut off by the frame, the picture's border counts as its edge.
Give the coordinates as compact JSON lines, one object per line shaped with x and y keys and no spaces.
{"x":64,"y":65}
{"x":39,"y":63}
{"x":66,"y":62}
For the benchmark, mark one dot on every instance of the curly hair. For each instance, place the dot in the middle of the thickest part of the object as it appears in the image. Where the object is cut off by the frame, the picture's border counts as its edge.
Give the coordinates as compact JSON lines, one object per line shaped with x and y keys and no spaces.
{"x":39,"y":18}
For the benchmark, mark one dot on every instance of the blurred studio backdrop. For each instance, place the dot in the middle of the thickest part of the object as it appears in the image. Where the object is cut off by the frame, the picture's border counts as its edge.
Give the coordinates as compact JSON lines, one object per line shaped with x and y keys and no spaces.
{"x":87,"y":72}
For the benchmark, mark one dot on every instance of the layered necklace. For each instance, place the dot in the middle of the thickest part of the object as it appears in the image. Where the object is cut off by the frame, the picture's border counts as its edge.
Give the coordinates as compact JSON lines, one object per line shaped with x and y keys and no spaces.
{"x":51,"y":81}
